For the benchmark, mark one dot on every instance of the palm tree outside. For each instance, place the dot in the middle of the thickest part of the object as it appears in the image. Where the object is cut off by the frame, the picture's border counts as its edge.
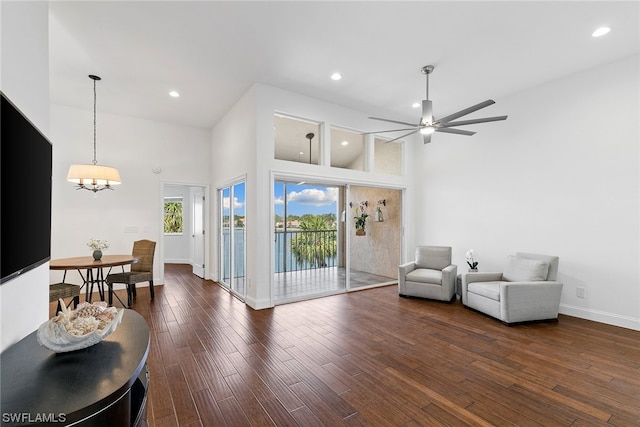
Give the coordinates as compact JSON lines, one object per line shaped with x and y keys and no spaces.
{"x":173,"y":217}
{"x":305,"y":221}
{"x":316,"y":242}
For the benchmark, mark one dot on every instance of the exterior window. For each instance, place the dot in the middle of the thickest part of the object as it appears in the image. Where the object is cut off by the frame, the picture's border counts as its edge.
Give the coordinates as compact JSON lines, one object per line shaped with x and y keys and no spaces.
{"x":173,"y":215}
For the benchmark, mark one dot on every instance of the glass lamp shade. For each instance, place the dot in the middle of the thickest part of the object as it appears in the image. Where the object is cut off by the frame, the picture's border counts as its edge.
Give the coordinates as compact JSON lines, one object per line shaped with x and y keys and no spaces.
{"x":93,"y":175}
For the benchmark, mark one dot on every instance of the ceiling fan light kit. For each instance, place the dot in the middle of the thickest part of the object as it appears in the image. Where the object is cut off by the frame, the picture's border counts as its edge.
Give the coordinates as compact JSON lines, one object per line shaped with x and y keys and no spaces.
{"x":428,"y":124}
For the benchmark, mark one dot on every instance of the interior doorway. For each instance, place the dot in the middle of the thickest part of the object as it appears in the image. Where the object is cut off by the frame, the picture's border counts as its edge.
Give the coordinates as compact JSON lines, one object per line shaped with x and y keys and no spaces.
{"x":198,"y":234}
{"x":184,"y":237}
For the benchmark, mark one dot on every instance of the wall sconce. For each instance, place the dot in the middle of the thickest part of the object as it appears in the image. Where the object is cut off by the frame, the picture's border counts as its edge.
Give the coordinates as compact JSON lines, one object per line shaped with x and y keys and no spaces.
{"x":378,"y":217}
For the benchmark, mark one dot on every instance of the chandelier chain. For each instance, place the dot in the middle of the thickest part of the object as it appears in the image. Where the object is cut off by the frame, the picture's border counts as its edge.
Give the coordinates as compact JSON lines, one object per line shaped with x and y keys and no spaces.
{"x":94,"y":123}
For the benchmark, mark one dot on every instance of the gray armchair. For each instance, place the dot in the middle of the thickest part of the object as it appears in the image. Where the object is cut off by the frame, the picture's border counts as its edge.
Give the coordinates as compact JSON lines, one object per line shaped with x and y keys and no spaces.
{"x":526,"y":291}
{"x":431,"y":275}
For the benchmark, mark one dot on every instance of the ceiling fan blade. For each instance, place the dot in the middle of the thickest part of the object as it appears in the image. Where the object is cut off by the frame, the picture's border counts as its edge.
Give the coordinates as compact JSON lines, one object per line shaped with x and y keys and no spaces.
{"x":427,"y":112}
{"x":401,"y":136}
{"x":456,"y":131}
{"x":473,"y":121}
{"x":467,"y":111}
{"x":394,"y":130}
{"x":426,"y":138}
{"x":392,"y":121}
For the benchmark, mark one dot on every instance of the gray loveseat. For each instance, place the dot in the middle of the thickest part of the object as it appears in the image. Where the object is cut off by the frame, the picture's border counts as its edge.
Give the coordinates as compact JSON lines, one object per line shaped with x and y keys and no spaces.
{"x":526,"y":291}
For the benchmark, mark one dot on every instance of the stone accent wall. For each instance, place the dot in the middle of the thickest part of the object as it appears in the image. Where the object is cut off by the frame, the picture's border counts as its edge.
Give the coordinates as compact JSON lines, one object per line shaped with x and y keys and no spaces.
{"x":377,"y":252}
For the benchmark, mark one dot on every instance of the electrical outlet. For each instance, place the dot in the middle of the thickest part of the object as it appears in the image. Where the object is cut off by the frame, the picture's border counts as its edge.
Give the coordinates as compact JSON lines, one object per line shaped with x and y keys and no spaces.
{"x":580,"y":292}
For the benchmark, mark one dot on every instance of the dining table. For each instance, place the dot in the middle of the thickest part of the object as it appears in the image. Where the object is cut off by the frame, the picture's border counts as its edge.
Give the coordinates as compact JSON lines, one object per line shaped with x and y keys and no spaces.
{"x":94,"y":271}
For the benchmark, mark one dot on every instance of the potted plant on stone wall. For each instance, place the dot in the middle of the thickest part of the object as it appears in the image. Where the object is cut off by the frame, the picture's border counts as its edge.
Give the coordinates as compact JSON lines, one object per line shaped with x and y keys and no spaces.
{"x":360,"y":218}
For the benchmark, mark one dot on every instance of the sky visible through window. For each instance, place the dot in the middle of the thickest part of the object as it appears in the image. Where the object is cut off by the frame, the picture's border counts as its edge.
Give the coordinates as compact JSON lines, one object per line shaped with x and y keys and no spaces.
{"x":238,"y":200}
{"x":302,"y":199}
{"x":305,"y":199}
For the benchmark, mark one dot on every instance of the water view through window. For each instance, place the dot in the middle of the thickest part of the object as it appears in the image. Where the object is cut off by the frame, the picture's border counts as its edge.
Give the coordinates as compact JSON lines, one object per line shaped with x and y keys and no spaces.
{"x":308,"y":249}
{"x":305,"y":226}
{"x":232,"y":202}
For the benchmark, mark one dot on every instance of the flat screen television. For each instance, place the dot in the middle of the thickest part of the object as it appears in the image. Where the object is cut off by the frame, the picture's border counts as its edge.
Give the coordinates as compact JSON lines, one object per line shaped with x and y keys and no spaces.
{"x":25,"y":193}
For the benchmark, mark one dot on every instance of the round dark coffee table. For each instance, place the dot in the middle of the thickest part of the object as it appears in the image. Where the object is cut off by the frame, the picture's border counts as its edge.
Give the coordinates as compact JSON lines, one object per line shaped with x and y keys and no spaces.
{"x":100,"y":385}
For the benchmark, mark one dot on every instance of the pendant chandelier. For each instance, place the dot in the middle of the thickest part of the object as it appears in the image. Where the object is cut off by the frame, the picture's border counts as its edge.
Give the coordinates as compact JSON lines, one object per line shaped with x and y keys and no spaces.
{"x":93,"y":177}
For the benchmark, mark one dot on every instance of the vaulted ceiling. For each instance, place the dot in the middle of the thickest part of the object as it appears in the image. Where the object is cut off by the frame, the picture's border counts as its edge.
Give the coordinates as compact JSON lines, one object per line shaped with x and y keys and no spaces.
{"x":211,"y":52}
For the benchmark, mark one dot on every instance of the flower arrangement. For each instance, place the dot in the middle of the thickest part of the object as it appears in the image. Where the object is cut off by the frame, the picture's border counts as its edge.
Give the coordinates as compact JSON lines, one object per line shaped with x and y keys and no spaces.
{"x":473,"y":265}
{"x":98,"y":245}
{"x":360,"y":216}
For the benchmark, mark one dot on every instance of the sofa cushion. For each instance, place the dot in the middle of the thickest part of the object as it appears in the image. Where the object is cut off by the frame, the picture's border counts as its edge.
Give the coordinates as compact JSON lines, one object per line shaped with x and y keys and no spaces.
{"x":489,"y":290}
{"x":433,"y":257}
{"x":525,"y":270}
{"x":425,"y":275}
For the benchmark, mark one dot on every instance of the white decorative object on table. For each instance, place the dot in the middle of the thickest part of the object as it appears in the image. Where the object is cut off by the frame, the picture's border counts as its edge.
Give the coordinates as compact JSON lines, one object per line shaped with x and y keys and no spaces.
{"x":98,"y":246}
{"x":83,"y":327}
{"x":473,"y":265}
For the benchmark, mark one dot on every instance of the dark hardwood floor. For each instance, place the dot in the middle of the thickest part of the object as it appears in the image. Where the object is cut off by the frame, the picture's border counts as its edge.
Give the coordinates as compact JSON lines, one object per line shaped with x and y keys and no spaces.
{"x":372,"y":358}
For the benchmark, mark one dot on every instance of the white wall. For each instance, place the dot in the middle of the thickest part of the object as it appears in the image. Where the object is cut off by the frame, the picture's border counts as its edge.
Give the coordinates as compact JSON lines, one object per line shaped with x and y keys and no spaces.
{"x":234,"y":156}
{"x":559,"y":177}
{"x":134,"y":210}
{"x":24,"y":78}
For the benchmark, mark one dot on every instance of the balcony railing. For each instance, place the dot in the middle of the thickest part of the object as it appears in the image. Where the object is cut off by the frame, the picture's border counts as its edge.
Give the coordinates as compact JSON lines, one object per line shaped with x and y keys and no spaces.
{"x":305,"y":250}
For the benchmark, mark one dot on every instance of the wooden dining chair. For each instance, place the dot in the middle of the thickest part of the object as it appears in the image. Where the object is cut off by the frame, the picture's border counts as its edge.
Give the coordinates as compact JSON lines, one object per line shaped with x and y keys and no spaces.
{"x":58,"y":291}
{"x":142,"y":271}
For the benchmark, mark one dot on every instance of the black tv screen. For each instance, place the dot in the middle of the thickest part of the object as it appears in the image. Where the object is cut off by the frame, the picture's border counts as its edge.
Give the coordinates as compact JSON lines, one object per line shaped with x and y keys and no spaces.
{"x":25,"y":193}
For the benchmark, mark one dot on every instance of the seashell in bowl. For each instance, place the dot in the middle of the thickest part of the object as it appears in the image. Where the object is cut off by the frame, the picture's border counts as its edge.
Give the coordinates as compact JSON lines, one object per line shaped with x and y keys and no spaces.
{"x":83,"y":327}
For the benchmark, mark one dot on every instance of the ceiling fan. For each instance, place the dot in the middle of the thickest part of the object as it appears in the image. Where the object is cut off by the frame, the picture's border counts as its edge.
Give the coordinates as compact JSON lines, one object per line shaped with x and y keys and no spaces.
{"x":428,"y":124}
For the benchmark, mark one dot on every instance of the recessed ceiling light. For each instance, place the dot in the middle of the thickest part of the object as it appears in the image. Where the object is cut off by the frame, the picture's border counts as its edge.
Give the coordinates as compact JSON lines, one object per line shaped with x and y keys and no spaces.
{"x":415,"y":105}
{"x":336,"y":76}
{"x":344,"y":143}
{"x":302,"y":152}
{"x":600,"y":32}
{"x":174,"y":94}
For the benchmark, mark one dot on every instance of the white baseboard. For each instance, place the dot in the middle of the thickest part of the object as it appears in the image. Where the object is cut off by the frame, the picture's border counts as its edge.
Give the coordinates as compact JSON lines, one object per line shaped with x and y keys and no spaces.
{"x":601,"y":316}
{"x":177,"y":261}
{"x":258,"y":304}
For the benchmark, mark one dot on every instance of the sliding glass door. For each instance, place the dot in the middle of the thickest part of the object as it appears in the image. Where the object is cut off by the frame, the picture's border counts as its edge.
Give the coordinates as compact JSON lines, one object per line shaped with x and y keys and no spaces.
{"x":232,"y":238}
{"x":309,"y":245}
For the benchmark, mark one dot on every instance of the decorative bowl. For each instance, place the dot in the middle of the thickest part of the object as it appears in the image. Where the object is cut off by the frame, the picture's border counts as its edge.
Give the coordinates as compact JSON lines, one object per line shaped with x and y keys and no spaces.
{"x":76,"y":329}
